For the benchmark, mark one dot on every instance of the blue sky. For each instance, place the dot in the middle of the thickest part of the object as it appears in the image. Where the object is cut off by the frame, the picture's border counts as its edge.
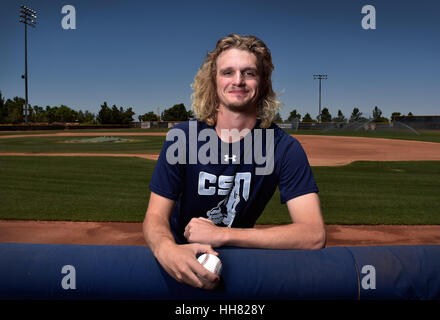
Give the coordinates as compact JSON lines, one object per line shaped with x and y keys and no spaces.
{"x":145,"y":54}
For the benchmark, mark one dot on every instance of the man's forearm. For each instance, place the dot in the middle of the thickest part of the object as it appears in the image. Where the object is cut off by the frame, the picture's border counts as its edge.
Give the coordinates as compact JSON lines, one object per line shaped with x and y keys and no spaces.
{"x":292,"y":236}
{"x":157,"y":232}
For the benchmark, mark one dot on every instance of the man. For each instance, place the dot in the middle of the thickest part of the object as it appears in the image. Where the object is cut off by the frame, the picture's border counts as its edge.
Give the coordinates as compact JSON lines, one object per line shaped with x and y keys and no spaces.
{"x":196,"y":206}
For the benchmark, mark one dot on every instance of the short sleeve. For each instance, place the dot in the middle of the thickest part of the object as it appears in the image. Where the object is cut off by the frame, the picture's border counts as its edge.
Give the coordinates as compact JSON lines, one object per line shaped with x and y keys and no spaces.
{"x":167,"y":179}
{"x":296,"y":176}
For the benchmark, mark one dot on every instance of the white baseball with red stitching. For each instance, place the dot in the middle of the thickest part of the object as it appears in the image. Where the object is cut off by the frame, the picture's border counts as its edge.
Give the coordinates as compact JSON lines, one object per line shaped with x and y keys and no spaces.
{"x":211,"y":262}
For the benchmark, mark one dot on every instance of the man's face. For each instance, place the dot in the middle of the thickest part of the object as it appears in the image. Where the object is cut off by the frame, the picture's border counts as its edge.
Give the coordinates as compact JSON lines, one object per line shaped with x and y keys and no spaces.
{"x":237,"y":79}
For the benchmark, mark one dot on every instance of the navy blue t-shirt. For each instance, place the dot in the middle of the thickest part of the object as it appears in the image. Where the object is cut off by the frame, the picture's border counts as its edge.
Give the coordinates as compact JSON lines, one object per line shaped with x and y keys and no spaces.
{"x":228,"y":183}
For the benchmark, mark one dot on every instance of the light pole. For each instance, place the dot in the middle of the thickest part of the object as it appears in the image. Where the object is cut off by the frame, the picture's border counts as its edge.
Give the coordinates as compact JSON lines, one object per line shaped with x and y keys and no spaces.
{"x":28,"y":18}
{"x":320,"y":77}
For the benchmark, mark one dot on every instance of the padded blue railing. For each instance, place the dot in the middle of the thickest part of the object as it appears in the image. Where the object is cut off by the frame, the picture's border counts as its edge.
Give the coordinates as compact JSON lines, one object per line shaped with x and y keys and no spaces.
{"x":37,"y":271}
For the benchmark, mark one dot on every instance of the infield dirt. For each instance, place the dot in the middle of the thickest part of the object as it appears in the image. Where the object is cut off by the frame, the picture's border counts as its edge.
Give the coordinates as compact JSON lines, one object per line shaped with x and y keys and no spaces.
{"x":130,"y":234}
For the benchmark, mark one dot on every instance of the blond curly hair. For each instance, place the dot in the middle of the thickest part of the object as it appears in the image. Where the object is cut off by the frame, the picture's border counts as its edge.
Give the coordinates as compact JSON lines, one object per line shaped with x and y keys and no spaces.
{"x":205,"y":101}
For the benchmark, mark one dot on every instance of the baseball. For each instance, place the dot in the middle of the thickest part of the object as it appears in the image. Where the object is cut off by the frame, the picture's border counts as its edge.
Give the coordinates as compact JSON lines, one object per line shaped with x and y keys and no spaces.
{"x":211,"y":262}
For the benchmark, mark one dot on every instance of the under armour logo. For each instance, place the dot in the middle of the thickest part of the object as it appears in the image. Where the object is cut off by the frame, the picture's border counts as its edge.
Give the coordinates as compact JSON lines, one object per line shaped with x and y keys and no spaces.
{"x":233,"y":158}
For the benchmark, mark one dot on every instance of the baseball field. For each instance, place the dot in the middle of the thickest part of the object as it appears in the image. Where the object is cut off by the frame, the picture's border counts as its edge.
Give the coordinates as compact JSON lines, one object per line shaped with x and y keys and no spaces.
{"x":91,"y":187}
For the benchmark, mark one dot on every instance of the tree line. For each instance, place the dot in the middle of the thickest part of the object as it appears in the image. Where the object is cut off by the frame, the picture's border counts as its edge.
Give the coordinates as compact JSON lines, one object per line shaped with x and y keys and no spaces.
{"x":11,"y":111}
{"x":356,"y":116}
{"x":177,"y":112}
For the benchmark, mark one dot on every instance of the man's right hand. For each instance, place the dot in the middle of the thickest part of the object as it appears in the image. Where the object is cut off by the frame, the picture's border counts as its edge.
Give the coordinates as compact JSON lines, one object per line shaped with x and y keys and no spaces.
{"x":178,"y":260}
{"x":181,"y":263}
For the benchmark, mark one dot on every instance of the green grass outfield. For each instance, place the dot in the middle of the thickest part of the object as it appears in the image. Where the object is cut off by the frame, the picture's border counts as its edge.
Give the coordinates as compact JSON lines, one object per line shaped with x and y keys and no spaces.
{"x":424,"y":135}
{"x":135,"y":144}
{"x":116,"y":189}
{"x":125,"y":130}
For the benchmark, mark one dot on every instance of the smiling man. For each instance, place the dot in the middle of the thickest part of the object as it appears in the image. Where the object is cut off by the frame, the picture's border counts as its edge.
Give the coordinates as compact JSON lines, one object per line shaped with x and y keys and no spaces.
{"x":197,"y":206}
{"x":237,"y":80}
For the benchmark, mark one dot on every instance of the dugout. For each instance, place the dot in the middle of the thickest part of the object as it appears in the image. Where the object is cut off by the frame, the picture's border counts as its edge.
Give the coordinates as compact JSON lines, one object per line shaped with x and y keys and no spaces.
{"x":420,"y":122}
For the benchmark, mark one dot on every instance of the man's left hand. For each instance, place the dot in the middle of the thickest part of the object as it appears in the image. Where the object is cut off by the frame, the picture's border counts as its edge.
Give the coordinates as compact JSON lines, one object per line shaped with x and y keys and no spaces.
{"x":202,"y":230}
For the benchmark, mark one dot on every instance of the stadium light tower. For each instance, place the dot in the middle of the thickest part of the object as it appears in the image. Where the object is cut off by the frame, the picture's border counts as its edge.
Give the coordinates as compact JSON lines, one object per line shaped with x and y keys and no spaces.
{"x":320,"y":77}
{"x":28,"y":18}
